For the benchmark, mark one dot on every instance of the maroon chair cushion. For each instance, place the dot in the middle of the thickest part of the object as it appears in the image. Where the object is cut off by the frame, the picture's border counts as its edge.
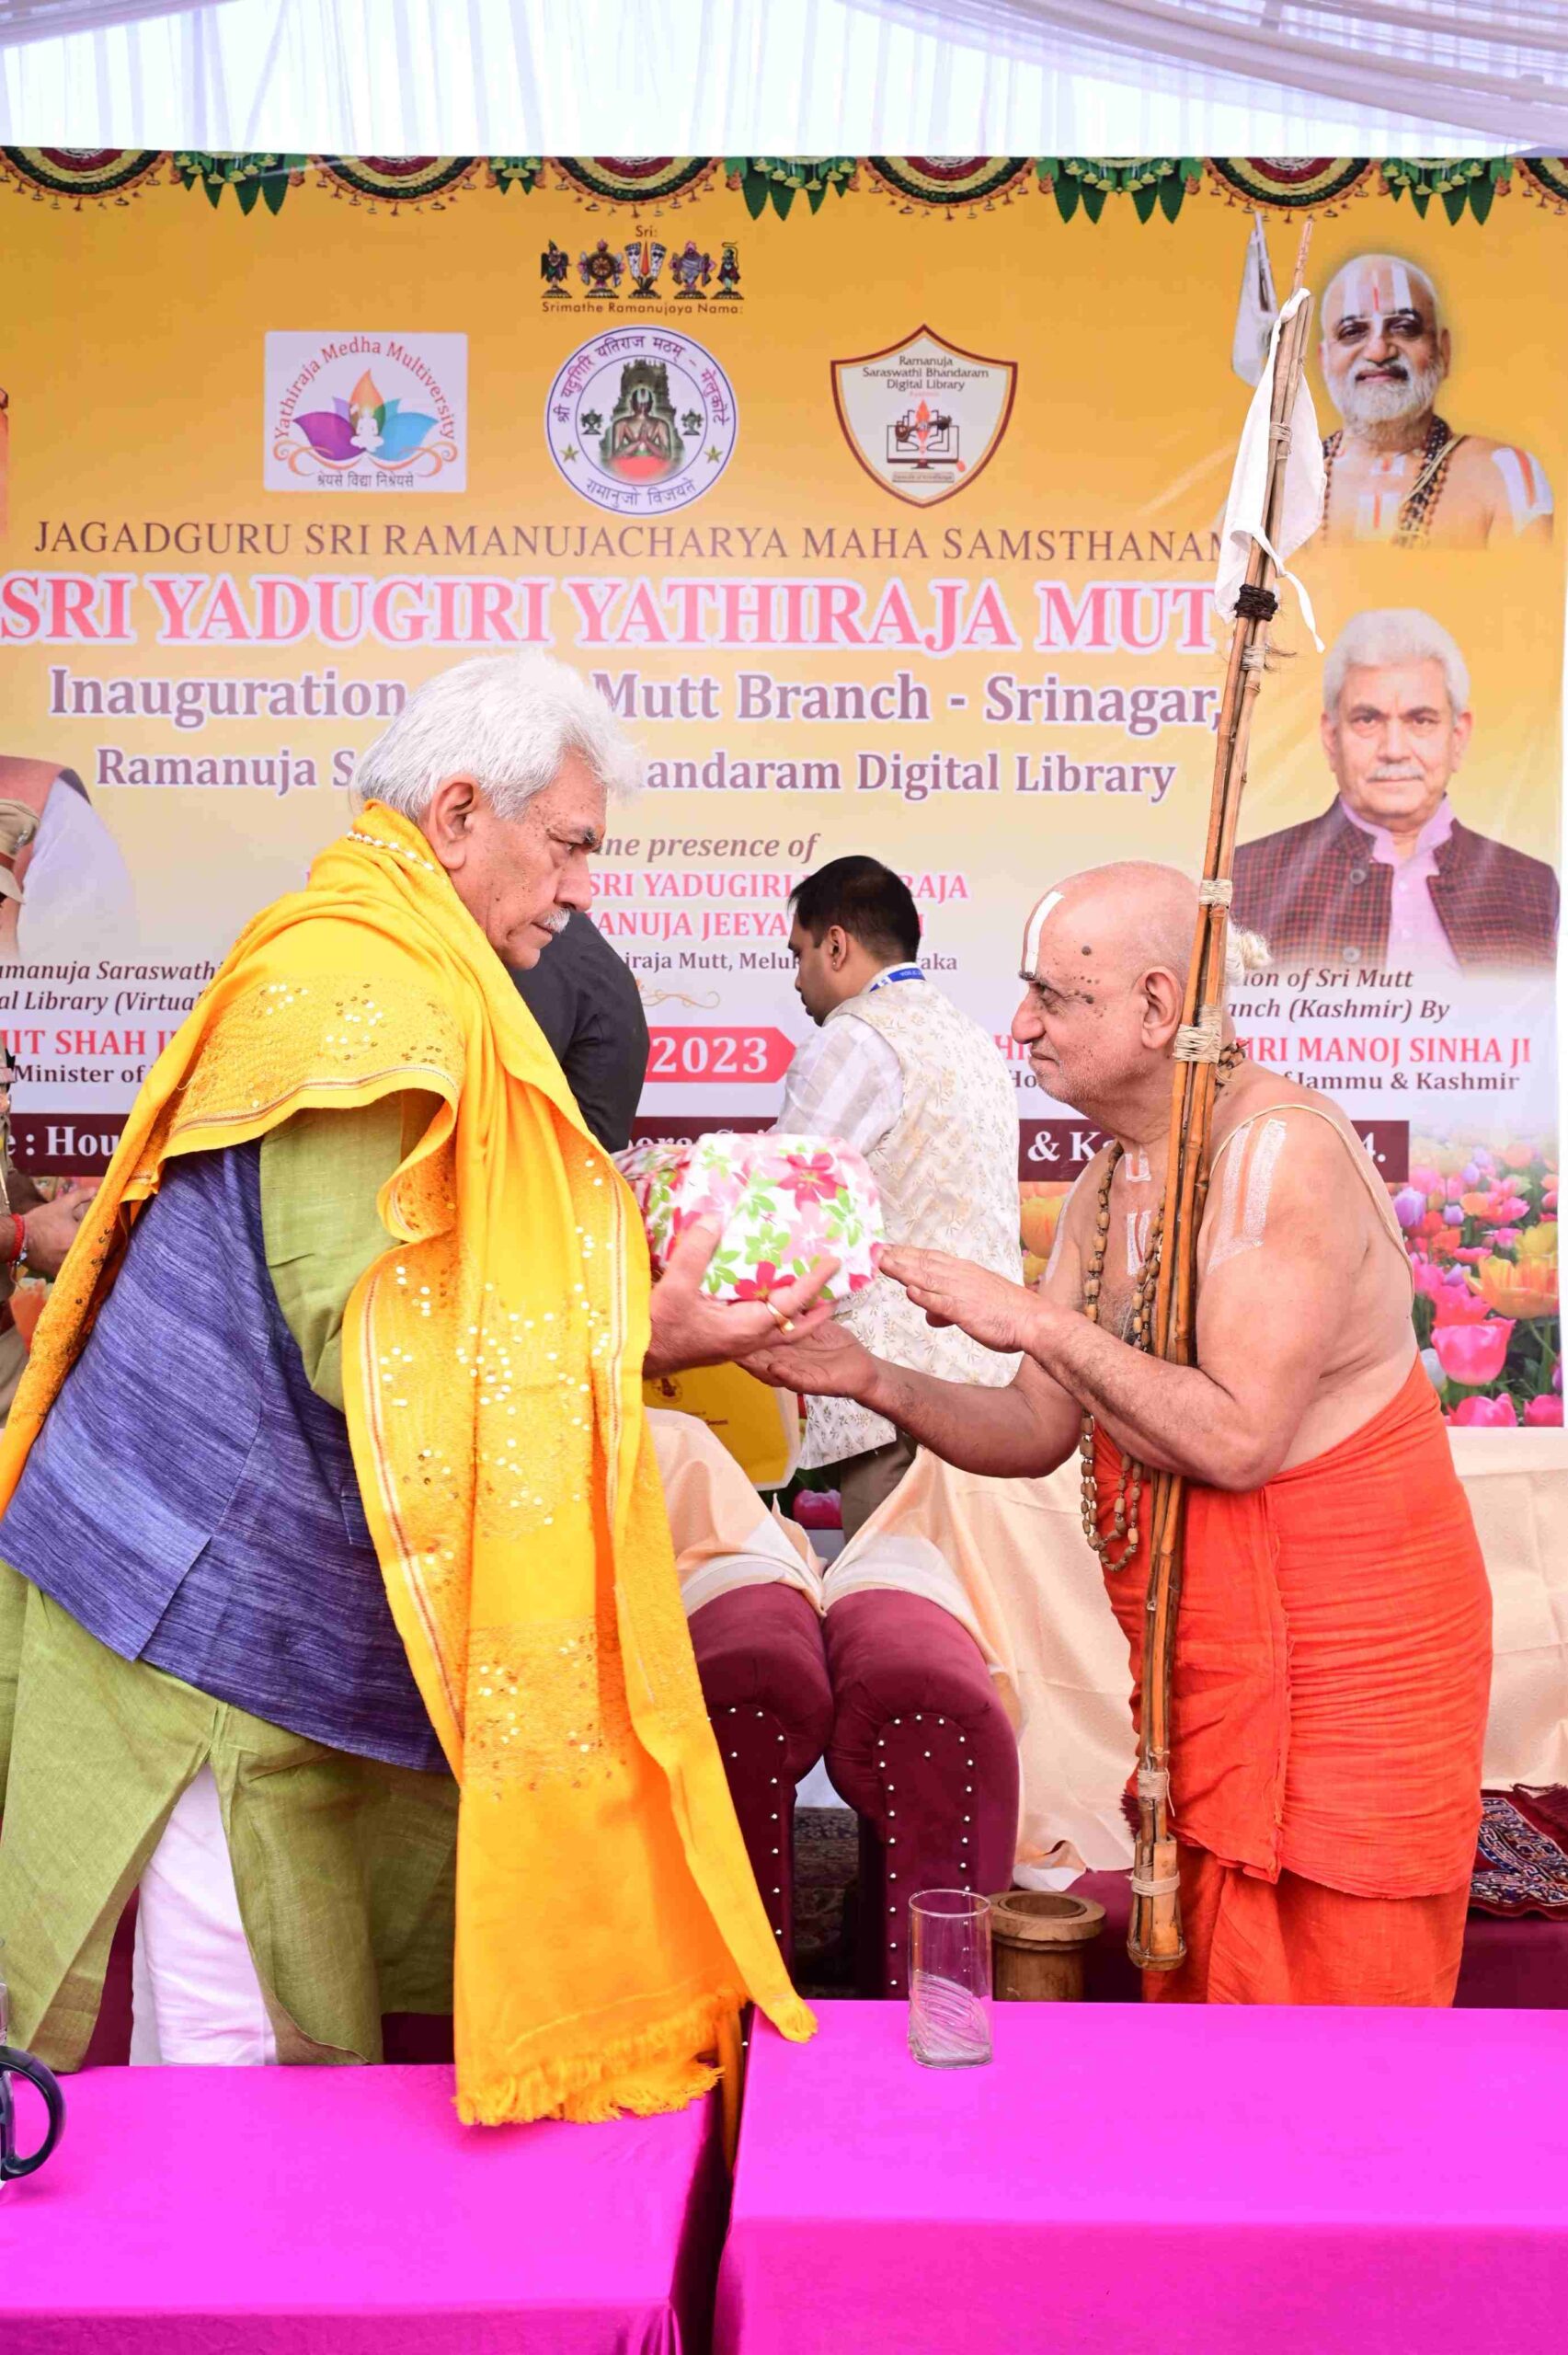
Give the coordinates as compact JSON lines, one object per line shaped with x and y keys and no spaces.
{"x":764,"y":1678}
{"x":922,"y":1749}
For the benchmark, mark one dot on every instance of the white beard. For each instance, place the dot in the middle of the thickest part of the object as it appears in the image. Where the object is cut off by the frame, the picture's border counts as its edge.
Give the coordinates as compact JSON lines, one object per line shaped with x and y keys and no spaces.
{"x":1384,"y":403}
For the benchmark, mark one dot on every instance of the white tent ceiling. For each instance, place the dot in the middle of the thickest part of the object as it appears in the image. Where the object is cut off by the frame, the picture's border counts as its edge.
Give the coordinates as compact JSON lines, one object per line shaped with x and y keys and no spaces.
{"x":788,"y":76}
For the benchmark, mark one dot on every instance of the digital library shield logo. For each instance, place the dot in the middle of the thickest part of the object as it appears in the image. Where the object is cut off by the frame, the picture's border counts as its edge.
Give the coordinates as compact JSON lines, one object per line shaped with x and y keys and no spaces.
{"x":641,"y":420}
{"x":924,"y":418}
{"x":367,"y":411}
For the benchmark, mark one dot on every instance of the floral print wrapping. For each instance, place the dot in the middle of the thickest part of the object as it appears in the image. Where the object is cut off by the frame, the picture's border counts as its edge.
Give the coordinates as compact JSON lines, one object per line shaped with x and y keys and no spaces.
{"x":783,"y":1201}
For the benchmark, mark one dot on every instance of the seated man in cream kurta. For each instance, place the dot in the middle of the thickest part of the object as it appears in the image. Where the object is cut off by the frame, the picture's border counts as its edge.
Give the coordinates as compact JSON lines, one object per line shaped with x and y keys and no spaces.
{"x":901,"y":1075}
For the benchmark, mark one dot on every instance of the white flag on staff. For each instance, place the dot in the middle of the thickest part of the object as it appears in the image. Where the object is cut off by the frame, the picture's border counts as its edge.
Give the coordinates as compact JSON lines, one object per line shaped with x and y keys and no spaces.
{"x":1255,"y":309}
{"x":1301,"y":507}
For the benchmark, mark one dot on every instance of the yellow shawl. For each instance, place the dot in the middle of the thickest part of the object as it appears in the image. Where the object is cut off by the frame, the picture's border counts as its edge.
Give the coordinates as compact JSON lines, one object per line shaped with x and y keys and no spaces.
{"x":608,"y":1925}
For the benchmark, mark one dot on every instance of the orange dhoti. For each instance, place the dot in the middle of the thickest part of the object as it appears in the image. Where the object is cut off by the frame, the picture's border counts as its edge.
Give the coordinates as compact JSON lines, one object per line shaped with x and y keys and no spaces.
{"x":1328,"y":1704}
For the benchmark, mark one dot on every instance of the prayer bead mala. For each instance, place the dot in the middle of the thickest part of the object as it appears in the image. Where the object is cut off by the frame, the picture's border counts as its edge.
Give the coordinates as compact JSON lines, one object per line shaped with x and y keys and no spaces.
{"x":1139,"y":1335}
{"x":1420,"y":503}
{"x":1140,"y":1325}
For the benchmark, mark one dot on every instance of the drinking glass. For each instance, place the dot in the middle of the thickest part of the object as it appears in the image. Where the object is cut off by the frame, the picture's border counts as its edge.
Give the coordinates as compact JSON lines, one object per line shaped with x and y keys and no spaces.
{"x":950,"y":1979}
{"x":13,"y":2064}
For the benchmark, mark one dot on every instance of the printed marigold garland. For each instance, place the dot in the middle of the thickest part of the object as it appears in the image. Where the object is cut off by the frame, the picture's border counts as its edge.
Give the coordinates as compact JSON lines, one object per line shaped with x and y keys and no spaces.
{"x":79,"y":173}
{"x":1291,"y":183}
{"x":949,"y":183}
{"x":1546,"y":179}
{"x":1464,"y":186}
{"x":634,"y":179}
{"x":396,"y":180}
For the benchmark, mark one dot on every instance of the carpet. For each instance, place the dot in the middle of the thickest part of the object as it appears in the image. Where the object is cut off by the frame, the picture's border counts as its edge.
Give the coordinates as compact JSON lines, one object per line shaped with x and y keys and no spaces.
{"x":1521,"y":1860}
{"x":826,"y":1884}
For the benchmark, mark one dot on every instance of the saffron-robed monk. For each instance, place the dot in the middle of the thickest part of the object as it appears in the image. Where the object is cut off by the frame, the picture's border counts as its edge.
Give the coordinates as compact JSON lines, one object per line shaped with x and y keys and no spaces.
{"x":1397,"y":471}
{"x":1333,"y":1648}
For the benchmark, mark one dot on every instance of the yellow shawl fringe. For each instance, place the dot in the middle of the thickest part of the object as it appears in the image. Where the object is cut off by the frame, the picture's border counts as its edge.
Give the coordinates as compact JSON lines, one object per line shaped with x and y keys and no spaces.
{"x":609,"y":1928}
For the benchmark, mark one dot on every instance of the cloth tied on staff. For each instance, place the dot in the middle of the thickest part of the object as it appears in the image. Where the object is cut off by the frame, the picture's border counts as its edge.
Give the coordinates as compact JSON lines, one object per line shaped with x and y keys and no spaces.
{"x":1301,"y":501}
{"x":609,"y":1928}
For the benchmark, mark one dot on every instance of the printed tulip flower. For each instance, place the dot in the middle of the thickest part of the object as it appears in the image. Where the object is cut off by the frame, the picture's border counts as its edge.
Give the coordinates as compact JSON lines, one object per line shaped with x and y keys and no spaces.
{"x":1428,"y":1279}
{"x":1457,"y":1304}
{"x":1485,"y":1414}
{"x":1472,"y":1355}
{"x":1424,"y":1178}
{"x":1503,"y":1207}
{"x":1522,"y":1288}
{"x":1410,"y":1207}
{"x":1544,"y":1413}
{"x":1453,"y":1215}
{"x":1038,"y":1217}
{"x":1540,"y":1242}
{"x":1517,"y":1156}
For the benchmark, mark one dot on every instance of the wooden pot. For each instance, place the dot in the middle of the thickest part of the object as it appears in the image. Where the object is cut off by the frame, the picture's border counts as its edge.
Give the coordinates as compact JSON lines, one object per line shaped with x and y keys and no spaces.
{"x":1038,"y":1941}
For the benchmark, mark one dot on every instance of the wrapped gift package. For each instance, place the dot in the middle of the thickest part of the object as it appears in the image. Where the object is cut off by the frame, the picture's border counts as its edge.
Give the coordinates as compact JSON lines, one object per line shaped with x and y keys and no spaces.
{"x":782,"y":1201}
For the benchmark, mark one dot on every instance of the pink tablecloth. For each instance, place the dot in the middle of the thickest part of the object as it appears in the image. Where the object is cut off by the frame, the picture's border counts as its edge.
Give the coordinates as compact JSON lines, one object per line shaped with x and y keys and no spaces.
{"x":1210,"y":2182}
{"x":290,"y":2212}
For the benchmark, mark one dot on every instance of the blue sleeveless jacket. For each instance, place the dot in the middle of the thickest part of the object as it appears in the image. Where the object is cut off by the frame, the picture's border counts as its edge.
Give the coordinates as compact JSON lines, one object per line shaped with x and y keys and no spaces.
{"x":193,"y":1503}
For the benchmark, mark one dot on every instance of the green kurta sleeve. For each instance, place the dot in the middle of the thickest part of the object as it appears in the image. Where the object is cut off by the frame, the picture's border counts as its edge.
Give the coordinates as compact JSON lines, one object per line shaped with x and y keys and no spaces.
{"x":320,"y":1175}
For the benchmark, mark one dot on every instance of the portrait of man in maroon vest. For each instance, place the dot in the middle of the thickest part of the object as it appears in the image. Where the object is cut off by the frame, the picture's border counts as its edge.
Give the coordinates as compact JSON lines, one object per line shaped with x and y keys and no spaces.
{"x":1389,"y":875}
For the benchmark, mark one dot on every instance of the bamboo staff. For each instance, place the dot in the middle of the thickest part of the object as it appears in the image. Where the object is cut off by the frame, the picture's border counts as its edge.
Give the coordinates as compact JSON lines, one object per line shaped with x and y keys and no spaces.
{"x":1155,"y":1936}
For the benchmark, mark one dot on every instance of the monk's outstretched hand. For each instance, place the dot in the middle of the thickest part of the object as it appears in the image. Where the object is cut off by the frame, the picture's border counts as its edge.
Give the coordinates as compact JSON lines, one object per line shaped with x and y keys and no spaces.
{"x":825,"y":1362}
{"x":689,"y":1327}
{"x":952,"y":1291}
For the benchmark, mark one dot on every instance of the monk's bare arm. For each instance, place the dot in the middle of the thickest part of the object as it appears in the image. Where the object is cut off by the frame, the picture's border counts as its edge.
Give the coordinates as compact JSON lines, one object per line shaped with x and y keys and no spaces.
{"x":1270,"y":1307}
{"x":1016,"y":1434}
{"x":1019,"y":1432}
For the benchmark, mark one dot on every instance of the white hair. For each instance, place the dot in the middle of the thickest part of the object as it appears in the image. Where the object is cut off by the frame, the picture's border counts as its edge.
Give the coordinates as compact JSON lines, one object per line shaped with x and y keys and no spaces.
{"x":1389,"y":634}
{"x":508,"y":720}
{"x":1413,"y":271}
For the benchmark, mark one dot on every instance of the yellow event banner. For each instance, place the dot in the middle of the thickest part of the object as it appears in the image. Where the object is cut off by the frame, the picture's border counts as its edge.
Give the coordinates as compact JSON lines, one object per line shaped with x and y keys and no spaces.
{"x":882,"y":499}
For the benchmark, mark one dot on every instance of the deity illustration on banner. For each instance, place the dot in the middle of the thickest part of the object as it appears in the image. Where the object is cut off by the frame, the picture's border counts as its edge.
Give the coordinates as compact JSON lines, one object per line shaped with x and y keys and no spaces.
{"x":641,"y":419}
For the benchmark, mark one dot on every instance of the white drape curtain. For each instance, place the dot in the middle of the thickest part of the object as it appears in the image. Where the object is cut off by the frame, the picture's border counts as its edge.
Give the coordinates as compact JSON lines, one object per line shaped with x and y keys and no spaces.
{"x":48,"y":19}
{"x":1496,"y":66}
{"x":697,"y":77}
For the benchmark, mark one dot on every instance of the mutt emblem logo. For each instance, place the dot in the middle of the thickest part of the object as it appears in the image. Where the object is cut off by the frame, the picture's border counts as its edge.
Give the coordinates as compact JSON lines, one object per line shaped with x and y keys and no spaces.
{"x":367,"y":412}
{"x":641,"y":420}
{"x":924,"y":418}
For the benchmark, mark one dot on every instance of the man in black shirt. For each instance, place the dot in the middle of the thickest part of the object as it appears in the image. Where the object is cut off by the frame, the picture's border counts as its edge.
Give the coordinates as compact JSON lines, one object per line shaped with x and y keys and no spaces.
{"x":591,"y":1010}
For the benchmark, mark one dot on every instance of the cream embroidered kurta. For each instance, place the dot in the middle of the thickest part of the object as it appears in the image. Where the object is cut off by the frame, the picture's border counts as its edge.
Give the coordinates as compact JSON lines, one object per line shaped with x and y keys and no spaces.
{"x":946,"y":1169}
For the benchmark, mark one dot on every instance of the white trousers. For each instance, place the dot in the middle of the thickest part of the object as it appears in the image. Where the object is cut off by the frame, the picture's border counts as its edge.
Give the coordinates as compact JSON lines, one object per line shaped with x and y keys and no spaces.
{"x":195,"y":1996}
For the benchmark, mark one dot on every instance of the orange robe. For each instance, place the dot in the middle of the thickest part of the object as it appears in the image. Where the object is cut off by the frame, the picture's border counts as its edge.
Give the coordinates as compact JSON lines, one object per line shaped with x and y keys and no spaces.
{"x":1328,"y":1694}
